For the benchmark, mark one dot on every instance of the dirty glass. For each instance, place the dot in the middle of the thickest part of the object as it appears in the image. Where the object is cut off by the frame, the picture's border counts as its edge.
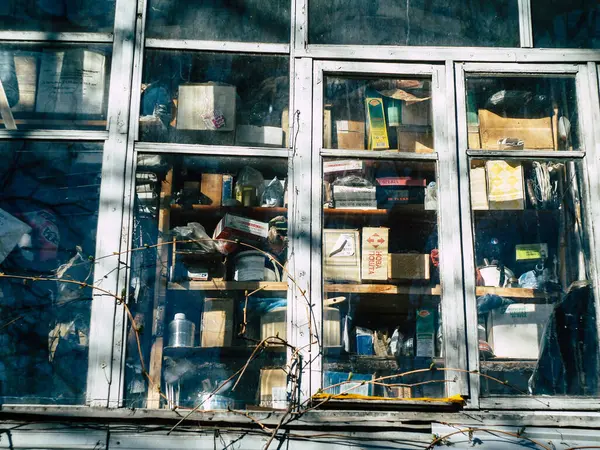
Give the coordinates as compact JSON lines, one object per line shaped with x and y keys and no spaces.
{"x":572,"y":24}
{"x":535,"y":302}
{"x":378,"y":114}
{"x":210,"y":98}
{"x":57,"y":15}
{"x":49,"y":197}
{"x":215,"y":20}
{"x":421,"y":22}
{"x":381,"y":311}
{"x":518,"y":112}
{"x":57,"y":87}
{"x":209,"y":292}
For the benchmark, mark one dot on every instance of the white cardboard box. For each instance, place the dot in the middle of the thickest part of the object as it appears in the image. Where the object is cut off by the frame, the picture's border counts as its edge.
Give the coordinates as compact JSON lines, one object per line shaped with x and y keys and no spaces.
{"x":375,"y":253}
{"x":341,"y":255}
{"x":206,"y":107}
{"x":517,"y":331}
{"x":261,"y":136}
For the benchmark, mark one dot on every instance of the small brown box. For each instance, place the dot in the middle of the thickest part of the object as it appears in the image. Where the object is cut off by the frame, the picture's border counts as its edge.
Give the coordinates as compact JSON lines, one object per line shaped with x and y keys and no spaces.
{"x":408,"y":266}
{"x":216,"y":327}
{"x":350,"y":134}
{"x":212,"y":187}
{"x":415,"y":141}
{"x":535,"y":133}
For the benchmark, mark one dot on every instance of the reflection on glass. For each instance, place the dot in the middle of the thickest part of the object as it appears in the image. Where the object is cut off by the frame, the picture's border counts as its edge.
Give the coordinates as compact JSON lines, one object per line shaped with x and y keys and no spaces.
{"x":418,"y":22}
{"x":573,"y":24}
{"x":57,"y":15}
{"x":516,"y":113}
{"x":212,"y":20}
{"x":49,"y":199}
{"x":208,"y":281}
{"x":537,"y":326}
{"x":55,"y":88}
{"x":221,"y":99}
{"x":381,"y":312}
{"x":378,"y":114}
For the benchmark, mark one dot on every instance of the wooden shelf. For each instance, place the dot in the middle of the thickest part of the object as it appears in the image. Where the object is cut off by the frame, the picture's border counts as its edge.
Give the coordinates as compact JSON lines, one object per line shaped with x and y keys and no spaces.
{"x":228,"y":286}
{"x":220,"y":209}
{"x":515,"y":292}
{"x":386,"y":289}
{"x":408,"y":208}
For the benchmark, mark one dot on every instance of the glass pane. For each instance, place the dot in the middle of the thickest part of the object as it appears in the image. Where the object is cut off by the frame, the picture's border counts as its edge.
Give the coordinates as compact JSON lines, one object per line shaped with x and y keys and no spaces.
{"x":519,"y":112}
{"x":213,"y":20}
{"x":378,"y":114}
{"x":210,"y":98}
{"x":381,"y":313}
{"x":572,"y":24}
{"x":537,"y":326}
{"x":56,"y":87}
{"x":421,"y":22}
{"x":48,"y":216}
{"x":210,"y":243}
{"x":57,"y":15}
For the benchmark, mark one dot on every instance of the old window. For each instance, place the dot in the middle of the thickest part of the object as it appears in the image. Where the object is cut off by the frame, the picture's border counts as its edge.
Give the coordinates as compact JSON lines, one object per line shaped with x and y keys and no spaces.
{"x":574,"y":24}
{"x":437,"y":23}
{"x":532,"y":304}
{"x":49,"y":202}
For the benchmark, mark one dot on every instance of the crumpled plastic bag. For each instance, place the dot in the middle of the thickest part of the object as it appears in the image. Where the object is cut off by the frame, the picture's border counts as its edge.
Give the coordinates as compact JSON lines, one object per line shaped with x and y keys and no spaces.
{"x":196,"y":233}
{"x":273,"y":194}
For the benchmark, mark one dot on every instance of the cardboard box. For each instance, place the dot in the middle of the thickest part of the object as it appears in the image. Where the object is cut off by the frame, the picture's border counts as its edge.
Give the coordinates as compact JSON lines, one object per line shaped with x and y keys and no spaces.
{"x":217,"y":322}
{"x":260,"y":136}
{"x":473,"y":138}
{"x":327,"y":131}
{"x":389,"y":196}
{"x":375,"y":262}
{"x":516,"y":332}
{"x":212,"y":187}
{"x":246,"y":230}
{"x":273,"y":392}
{"x":479,"y":194}
{"x":415,"y":141}
{"x":341,"y":255}
{"x":401,"y":181}
{"x":350,"y":134}
{"x":408,"y":266}
{"x":354,"y":197}
{"x":378,"y":137}
{"x":425,"y":333}
{"x":535,"y":133}
{"x":506,"y":188}
{"x":285,"y":126}
{"x":418,"y":113}
{"x":340,"y":166}
{"x":206,"y":107}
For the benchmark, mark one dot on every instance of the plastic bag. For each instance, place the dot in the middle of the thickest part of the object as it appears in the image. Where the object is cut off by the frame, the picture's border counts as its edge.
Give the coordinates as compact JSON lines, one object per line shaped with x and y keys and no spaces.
{"x":352,"y":180}
{"x":195,"y":232}
{"x":249,"y":186}
{"x":273,"y":194}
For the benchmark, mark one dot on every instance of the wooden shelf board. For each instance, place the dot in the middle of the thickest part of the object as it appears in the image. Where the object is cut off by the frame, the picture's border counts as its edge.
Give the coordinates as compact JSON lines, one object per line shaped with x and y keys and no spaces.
{"x":228,"y":286}
{"x":213,"y":209}
{"x":382,"y":289}
{"x":515,"y":292}
{"x":408,"y":208}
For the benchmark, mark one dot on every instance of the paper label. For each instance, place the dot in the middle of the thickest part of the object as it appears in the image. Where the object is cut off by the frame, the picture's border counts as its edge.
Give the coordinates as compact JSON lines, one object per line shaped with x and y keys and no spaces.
{"x":344,"y":246}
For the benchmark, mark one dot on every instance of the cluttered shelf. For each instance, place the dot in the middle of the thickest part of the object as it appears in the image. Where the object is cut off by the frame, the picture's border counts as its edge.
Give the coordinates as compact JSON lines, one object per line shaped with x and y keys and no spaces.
{"x":220,"y":352}
{"x":228,"y":286}
{"x":523,"y":293}
{"x":371,"y":364}
{"x":382,"y":289}
{"x":221,"y":210}
{"x":408,"y":208}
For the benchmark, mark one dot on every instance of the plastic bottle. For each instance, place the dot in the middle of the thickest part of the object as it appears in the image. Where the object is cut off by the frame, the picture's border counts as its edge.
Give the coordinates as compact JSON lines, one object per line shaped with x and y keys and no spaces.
{"x":181,"y":332}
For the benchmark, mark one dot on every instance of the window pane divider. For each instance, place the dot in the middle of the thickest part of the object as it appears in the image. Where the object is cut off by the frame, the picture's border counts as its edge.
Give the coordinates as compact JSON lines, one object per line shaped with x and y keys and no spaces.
{"x":526,"y":154}
{"x":440,"y":54}
{"x":372,"y":154}
{"x":48,"y":36}
{"x":220,"y":46}
{"x":62,"y":135}
{"x":525,"y":26}
{"x":213,"y":150}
